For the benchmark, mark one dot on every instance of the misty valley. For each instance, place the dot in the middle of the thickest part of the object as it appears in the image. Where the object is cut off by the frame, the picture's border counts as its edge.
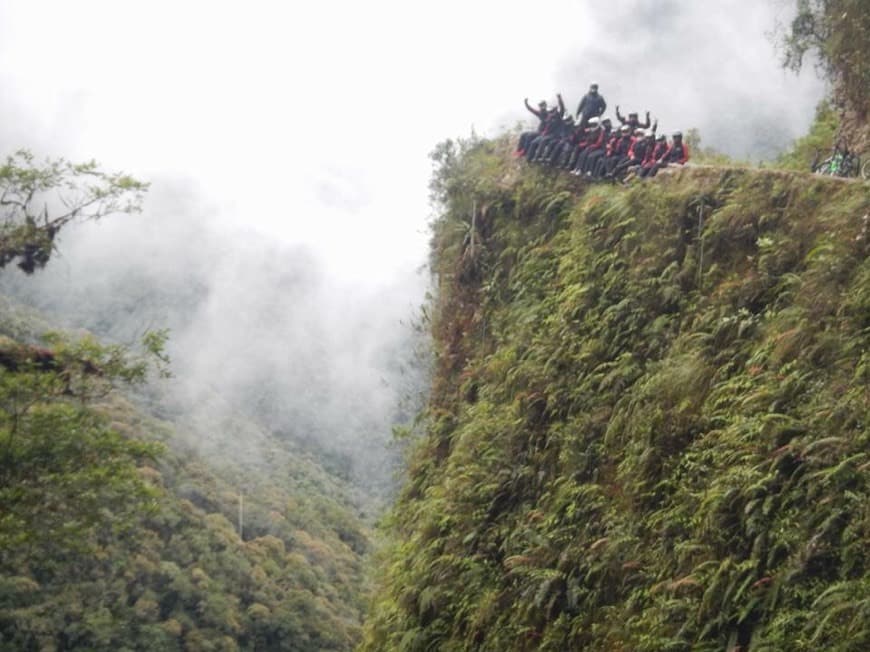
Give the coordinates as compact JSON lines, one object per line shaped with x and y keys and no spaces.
{"x":312,"y":340}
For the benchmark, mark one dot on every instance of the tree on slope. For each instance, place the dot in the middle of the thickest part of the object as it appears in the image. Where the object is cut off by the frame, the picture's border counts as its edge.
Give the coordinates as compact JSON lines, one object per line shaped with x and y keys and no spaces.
{"x":839,"y":32}
{"x":39,"y":199}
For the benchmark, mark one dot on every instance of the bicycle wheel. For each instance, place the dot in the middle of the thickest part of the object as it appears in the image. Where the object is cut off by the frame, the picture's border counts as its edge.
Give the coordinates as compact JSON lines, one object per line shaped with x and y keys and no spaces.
{"x":851,"y":166}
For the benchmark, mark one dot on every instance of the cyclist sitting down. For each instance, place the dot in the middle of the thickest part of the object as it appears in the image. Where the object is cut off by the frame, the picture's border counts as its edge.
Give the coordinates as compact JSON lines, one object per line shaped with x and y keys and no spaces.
{"x":676,"y":154}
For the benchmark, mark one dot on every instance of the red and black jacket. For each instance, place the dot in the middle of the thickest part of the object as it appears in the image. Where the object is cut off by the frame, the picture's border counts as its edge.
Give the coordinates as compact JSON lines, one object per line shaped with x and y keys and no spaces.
{"x":620,"y":146}
{"x":596,"y":141}
{"x":639,"y":148}
{"x":676,"y":153}
{"x":654,"y":154}
{"x":578,"y":136}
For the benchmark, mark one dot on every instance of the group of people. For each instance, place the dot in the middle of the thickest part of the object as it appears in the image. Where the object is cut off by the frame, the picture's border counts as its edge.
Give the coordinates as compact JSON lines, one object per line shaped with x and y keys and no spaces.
{"x":587,"y":144}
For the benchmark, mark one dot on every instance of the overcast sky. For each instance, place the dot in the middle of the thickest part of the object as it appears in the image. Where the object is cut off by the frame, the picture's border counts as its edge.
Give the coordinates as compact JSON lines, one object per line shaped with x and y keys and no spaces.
{"x":312,"y":121}
{"x":287,"y":145}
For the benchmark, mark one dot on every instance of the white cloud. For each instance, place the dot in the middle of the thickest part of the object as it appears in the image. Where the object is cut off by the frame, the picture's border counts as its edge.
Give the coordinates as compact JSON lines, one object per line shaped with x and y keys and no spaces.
{"x":283,"y":123}
{"x":261,"y":102}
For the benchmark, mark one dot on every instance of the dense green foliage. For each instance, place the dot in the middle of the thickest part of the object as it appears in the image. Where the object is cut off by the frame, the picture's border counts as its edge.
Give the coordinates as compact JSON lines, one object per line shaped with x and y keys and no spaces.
{"x":37,"y":199}
{"x":839,"y":32}
{"x":648,"y":427}
{"x":818,"y":142}
{"x":117,"y":534}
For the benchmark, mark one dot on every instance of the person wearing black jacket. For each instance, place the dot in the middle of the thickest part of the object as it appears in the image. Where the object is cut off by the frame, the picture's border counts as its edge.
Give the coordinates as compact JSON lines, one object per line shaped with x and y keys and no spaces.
{"x":552,"y":148}
{"x":540,"y":113}
{"x":591,"y":106}
{"x":636,"y":153}
{"x":566,"y":149}
{"x":653,"y":153}
{"x":616,"y":152}
{"x":584,"y":137}
{"x":599,"y":136}
{"x":552,"y":128}
{"x":598,"y":149}
{"x":632,"y":120}
{"x":677,"y":153}
{"x":526,"y":137}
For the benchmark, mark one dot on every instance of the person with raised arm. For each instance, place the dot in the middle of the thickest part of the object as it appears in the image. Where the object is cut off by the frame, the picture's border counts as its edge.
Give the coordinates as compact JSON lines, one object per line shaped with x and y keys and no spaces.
{"x":552,"y":123}
{"x":548,"y":153}
{"x":633,"y":120}
{"x":526,"y":137}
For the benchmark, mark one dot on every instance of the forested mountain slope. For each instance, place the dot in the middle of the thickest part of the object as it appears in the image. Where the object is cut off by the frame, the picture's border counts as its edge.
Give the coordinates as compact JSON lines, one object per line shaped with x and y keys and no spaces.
{"x":117,"y":532}
{"x":649,"y":420}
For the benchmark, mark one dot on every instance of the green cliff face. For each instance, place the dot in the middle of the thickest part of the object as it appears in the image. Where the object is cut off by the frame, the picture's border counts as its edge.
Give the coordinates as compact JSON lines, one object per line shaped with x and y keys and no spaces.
{"x":649,"y":421}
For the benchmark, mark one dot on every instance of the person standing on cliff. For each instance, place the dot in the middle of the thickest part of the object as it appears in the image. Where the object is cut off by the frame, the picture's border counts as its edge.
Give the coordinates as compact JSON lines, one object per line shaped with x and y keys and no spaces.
{"x":591,"y":106}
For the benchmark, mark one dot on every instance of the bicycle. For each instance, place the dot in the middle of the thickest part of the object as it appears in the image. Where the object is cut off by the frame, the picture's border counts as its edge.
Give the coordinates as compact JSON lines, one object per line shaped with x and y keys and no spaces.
{"x":841,"y":163}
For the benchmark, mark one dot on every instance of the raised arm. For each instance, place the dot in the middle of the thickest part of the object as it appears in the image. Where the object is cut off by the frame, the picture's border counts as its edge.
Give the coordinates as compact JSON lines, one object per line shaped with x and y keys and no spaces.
{"x":619,"y":116}
{"x":561,"y":105}
{"x":644,"y":125}
{"x":537,"y":114}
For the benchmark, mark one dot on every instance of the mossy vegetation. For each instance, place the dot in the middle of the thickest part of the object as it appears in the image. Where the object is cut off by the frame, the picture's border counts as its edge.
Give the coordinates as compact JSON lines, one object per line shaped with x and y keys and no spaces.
{"x":649,"y":422}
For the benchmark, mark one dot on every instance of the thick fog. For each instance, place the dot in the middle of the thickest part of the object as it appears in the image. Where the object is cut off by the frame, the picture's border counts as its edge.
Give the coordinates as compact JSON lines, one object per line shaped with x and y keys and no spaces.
{"x":259,"y":330}
{"x":287,"y":148}
{"x":707,"y":65}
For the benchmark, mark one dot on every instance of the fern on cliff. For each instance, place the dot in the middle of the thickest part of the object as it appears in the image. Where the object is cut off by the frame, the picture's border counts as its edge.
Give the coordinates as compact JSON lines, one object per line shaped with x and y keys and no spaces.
{"x":649,"y":429}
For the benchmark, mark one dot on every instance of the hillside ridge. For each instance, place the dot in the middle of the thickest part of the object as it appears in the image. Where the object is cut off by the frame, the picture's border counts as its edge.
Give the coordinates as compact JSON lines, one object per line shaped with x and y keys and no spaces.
{"x":647,"y":428}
